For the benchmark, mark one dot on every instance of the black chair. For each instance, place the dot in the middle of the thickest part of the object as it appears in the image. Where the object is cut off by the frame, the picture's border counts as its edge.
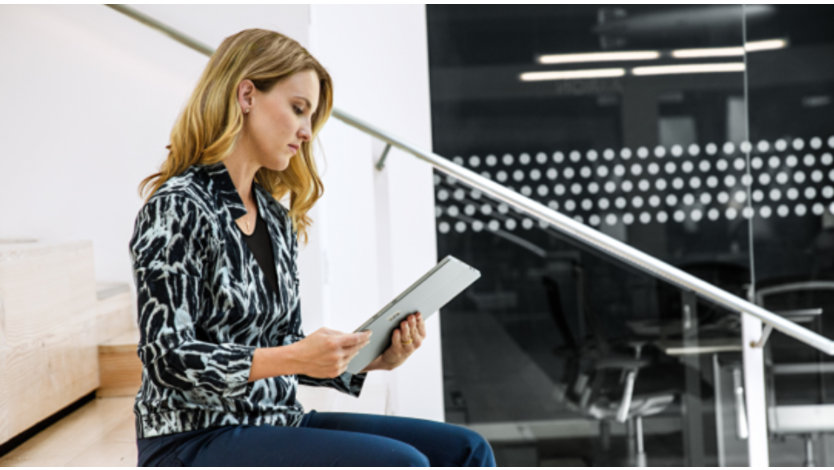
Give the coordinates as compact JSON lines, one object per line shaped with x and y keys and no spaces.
{"x":607,"y":381}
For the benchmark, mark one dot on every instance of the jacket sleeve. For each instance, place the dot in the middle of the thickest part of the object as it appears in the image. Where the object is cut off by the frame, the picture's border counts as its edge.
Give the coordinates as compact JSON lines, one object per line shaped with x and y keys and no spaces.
{"x":169,"y":250}
{"x":348,"y":383}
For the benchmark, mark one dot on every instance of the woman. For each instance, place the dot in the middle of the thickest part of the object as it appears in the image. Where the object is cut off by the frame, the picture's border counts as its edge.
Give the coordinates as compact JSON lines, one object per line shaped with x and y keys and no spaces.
{"x":214,"y":258}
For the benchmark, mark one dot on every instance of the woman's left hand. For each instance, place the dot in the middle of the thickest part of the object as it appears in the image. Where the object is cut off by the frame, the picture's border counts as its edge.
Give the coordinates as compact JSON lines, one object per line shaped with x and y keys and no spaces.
{"x":404,"y":341}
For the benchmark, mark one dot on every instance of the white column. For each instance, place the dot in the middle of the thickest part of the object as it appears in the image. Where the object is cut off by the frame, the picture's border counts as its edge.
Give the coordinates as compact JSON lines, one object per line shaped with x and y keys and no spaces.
{"x":378,"y":57}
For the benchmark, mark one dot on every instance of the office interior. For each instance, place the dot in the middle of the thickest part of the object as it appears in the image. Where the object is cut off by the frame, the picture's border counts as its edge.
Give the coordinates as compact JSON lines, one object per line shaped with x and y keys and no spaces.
{"x":699,"y":134}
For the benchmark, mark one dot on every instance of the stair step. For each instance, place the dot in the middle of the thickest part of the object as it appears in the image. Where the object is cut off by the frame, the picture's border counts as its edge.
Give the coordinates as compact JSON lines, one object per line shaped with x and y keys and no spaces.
{"x":105,"y":290}
{"x":120,"y":369}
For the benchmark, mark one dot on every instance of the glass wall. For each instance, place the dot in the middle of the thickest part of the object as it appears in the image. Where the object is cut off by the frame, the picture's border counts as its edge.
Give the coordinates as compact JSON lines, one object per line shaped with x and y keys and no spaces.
{"x":632,"y":119}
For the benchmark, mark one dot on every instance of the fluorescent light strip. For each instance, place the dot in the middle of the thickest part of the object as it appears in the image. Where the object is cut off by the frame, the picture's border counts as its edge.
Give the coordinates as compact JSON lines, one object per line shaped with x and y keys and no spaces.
{"x":766,"y":45}
{"x":688,"y":68}
{"x":598,"y":57}
{"x":571,"y":74}
{"x":752,"y":46}
{"x":708,"y":52}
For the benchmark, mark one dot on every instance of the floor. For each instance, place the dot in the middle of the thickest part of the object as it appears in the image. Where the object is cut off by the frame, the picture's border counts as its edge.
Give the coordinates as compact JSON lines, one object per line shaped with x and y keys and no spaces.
{"x":101,"y":433}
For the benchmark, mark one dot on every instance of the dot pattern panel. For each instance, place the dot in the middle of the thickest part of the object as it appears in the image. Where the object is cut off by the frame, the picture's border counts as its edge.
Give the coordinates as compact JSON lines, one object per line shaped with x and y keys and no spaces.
{"x":680,"y":184}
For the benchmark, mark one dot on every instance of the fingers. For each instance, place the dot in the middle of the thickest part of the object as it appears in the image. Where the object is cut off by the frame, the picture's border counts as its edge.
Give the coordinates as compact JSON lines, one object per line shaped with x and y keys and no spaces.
{"x":327,"y":353}
{"x":405,"y":330}
{"x":355,"y":341}
{"x":421,"y":325}
{"x":347,"y":346}
{"x":343,"y":347}
{"x":412,"y":331}
{"x":338,"y":339}
{"x":416,"y":329}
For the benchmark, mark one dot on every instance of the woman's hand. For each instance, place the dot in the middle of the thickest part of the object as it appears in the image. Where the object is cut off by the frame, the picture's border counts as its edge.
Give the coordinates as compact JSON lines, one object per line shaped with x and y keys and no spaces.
{"x":324,"y":354}
{"x":404,"y":341}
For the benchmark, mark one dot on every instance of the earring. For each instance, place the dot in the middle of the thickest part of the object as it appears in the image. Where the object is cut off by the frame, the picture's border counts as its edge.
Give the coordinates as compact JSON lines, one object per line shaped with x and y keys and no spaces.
{"x":246,"y":111}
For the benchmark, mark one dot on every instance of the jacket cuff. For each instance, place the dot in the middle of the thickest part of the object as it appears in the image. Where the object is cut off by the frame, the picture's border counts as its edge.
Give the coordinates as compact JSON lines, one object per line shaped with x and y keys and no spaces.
{"x":238,"y":366}
{"x":353,"y":382}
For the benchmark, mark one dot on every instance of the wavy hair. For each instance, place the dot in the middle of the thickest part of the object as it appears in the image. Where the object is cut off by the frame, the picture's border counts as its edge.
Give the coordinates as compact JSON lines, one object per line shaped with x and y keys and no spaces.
{"x":208,"y":128}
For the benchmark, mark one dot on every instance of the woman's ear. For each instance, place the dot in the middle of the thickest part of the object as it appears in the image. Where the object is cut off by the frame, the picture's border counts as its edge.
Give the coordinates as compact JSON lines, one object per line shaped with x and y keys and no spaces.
{"x":246,"y":95}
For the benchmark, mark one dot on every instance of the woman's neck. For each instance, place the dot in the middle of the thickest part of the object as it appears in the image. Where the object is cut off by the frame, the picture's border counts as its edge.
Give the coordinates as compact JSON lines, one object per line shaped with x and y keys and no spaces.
{"x":242,"y":171}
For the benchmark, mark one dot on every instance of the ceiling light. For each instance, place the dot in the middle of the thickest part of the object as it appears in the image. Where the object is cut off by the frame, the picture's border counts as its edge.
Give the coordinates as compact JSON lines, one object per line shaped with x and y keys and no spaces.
{"x":598,"y":57}
{"x":708,"y":52}
{"x":689,"y":68}
{"x":571,"y":74}
{"x":752,"y":46}
{"x":766,"y":45}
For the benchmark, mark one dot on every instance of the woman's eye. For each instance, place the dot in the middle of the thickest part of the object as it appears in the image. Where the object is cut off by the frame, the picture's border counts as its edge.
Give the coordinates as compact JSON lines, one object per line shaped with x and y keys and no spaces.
{"x":297,"y":110}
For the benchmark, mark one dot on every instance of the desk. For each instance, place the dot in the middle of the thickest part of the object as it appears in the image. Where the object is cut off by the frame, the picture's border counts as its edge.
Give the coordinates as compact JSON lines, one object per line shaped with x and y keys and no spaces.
{"x":714,"y":347}
{"x":679,"y":347}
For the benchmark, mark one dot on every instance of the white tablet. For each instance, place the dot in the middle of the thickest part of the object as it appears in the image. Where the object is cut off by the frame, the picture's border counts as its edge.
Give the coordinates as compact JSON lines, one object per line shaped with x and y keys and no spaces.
{"x":432,"y":291}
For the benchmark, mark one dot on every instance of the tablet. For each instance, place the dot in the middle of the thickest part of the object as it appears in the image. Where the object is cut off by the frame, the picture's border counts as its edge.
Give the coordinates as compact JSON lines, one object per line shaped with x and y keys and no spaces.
{"x":432,"y":291}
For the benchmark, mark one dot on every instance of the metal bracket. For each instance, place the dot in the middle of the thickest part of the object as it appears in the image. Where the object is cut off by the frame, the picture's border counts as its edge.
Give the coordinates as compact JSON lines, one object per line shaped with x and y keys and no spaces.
{"x":742,"y":431}
{"x":687,"y":318}
{"x":380,"y":164}
{"x":768,"y":328}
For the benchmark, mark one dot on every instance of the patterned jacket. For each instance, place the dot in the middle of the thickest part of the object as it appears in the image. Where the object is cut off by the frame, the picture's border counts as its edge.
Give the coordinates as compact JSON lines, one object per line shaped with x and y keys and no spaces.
{"x":204,"y":306}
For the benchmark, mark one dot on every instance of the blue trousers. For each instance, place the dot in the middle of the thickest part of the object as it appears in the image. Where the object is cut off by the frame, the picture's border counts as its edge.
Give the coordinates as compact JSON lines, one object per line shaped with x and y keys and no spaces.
{"x":323,"y":440}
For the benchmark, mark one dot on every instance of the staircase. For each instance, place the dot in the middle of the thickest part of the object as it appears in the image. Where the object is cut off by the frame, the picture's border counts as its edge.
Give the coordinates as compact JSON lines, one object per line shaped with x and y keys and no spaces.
{"x":56,"y":322}
{"x":119,"y":368}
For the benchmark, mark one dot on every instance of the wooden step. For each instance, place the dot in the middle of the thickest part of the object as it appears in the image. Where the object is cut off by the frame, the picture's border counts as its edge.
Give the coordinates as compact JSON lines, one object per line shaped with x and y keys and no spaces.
{"x":99,"y":434}
{"x":47,"y":330}
{"x":119,"y":367}
{"x":120,"y":370}
{"x":53,"y":316}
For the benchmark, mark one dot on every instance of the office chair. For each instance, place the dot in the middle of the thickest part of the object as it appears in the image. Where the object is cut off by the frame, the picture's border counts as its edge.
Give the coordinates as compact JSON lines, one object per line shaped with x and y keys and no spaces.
{"x":604,"y":382}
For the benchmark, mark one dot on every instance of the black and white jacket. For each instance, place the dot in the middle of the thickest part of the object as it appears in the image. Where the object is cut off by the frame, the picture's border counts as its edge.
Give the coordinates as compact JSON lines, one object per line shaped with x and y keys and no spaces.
{"x":204,"y":307}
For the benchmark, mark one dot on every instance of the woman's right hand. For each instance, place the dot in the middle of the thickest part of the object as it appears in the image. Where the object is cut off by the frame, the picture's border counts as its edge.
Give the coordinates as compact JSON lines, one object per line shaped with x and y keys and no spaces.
{"x":326,"y":353}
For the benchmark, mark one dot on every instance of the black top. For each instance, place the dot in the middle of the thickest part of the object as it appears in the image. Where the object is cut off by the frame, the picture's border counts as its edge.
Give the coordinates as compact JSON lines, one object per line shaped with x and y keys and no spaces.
{"x":261,"y":247}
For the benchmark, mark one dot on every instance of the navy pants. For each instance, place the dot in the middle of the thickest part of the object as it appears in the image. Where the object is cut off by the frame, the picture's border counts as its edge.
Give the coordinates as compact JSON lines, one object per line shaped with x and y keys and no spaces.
{"x":323,"y":440}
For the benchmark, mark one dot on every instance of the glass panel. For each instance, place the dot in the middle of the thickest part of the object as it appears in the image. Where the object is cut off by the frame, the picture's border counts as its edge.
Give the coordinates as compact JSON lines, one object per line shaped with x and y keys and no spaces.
{"x":791,"y":85}
{"x":650,"y":156}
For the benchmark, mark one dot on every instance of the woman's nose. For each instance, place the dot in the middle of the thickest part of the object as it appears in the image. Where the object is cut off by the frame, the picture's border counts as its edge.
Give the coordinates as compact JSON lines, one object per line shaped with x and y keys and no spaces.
{"x":305,"y":133}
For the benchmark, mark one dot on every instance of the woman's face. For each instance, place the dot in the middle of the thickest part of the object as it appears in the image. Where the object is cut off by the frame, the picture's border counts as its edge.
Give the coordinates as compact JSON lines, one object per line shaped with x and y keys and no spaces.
{"x":281,"y":119}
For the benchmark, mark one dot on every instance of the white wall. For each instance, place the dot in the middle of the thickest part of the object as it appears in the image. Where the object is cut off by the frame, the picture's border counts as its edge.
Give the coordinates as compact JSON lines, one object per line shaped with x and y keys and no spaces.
{"x":88,"y":99}
{"x":210,"y":24}
{"x":375,"y":230}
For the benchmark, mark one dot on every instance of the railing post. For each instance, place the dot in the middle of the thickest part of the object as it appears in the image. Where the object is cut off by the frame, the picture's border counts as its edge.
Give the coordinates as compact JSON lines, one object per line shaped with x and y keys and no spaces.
{"x":754,"y":391}
{"x":380,"y":164}
{"x":693,"y":427}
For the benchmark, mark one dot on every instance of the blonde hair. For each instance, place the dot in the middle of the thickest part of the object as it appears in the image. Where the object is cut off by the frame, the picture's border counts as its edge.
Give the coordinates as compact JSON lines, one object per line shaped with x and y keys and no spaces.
{"x":208,"y":128}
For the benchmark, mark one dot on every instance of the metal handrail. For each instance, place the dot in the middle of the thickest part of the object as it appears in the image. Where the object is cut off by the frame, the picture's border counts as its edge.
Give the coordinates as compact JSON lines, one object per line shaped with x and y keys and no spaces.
{"x":163,"y":28}
{"x":567,"y":226}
